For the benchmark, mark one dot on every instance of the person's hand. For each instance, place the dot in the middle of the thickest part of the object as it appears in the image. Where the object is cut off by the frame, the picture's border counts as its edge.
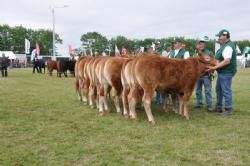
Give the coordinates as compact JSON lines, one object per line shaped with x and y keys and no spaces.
{"x":210,"y":68}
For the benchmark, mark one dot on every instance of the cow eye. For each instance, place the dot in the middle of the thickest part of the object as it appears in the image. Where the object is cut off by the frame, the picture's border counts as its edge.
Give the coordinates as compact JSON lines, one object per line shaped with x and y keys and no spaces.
{"x":207,"y":59}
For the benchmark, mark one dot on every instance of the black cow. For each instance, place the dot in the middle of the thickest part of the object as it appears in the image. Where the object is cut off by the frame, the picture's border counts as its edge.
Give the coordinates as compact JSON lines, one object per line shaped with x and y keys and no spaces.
{"x":41,"y":64}
{"x":64,"y":65}
{"x":38,"y":64}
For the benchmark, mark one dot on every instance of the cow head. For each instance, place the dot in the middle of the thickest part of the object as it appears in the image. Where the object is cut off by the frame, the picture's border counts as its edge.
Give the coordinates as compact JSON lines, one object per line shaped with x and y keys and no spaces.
{"x":204,"y":58}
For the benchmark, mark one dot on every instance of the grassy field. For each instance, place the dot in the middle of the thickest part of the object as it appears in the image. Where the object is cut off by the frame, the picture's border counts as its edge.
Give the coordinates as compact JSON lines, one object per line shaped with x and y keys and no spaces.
{"x":43,"y":123}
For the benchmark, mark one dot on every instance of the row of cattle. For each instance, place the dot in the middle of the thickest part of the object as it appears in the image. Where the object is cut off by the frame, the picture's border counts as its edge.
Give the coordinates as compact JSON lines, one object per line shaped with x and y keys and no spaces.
{"x":61,"y":67}
{"x":135,"y":79}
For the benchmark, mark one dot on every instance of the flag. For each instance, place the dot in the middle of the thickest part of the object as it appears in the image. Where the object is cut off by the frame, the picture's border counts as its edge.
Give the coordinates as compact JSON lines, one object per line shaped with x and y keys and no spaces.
{"x":37,"y":49}
{"x":27,"y":46}
{"x":70,"y":50}
{"x":153,"y":46}
{"x":117,"y":52}
{"x":217,"y":47}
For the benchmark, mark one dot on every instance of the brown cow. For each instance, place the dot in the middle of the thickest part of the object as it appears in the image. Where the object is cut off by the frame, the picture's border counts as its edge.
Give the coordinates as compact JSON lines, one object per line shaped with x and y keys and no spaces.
{"x":128,"y":82}
{"x":79,"y":82}
{"x":103,"y":105}
{"x":88,"y":78}
{"x":169,"y":75}
{"x":109,"y":76}
{"x":94,"y":83}
{"x":51,"y":65}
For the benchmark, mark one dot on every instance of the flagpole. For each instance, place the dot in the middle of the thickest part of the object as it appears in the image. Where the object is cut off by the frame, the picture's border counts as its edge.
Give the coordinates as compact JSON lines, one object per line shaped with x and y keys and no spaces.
{"x":53,"y":19}
{"x":25,"y":52}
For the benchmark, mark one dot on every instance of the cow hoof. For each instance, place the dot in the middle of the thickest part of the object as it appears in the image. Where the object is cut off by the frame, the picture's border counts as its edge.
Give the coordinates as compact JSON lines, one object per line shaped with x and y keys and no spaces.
{"x":101,"y":114}
{"x":133,"y":118}
{"x":125,"y":114}
{"x":153,"y":123}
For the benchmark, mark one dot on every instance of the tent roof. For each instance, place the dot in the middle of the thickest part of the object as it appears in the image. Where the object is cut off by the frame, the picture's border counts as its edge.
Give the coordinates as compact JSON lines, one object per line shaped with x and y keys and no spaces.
{"x":9,"y":54}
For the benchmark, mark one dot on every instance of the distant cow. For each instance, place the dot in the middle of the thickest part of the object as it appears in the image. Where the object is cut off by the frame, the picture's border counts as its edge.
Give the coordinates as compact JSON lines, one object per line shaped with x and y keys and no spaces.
{"x":169,"y":75}
{"x":64,"y":65}
{"x":51,"y":65}
{"x":41,"y":65}
{"x":38,"y":64}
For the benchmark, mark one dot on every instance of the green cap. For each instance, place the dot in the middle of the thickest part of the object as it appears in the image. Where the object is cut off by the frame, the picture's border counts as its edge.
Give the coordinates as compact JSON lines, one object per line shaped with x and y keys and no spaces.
{"x":158,"y":42}
{"x":178,"y":39}
{"x":203,"y":39}
{"x":223,"y":32}
{"x":167,"y":44}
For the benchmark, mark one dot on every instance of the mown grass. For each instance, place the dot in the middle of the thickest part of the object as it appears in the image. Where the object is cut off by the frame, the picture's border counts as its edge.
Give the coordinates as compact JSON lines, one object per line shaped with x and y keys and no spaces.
{"x":43,"y":123}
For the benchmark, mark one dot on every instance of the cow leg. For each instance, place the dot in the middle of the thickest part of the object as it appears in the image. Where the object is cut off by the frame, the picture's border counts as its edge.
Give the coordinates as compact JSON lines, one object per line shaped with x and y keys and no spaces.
{"x":82,"y":92}
{"x":174,"y":102}
{"x":90,"y":95}
{"x":101,"y":100}
{"x":77,"y":89}
{"x":106,"y":91}
{"x":103,"y":104}
{"x":50,"y":72}
{"x":117,"y":104}
{"x":165,"y":104}
{"x":186,"y":98}
{"x":147,"y":97}
{"x":85,"y":90}
{"x":116,"y":96}
{"x":186,"y":104}
{"x":132,"y":98}
{"x":181,"y":106}
{"x":125,"y":100}
{"x":97,"y":96}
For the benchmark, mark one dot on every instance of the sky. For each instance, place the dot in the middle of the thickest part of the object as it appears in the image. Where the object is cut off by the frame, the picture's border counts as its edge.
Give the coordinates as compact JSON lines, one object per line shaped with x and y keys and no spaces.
{"x":134,"y":19}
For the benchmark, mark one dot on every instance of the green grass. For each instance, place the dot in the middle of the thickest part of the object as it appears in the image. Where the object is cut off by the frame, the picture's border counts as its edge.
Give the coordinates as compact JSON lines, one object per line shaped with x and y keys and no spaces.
{"x":43,"y":123}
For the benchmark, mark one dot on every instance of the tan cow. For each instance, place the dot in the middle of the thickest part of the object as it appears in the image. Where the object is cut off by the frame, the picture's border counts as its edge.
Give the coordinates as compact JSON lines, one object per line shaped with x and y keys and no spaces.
{"x":81,"y":83}
{"x":51,"y":65}
{"x":94,"y":83}
{"x":169,"y":75}
{"x":109,"y":77}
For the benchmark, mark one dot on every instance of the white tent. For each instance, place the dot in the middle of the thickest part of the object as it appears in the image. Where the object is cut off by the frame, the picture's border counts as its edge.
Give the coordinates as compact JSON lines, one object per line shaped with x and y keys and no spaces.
{"x":9,"y":54}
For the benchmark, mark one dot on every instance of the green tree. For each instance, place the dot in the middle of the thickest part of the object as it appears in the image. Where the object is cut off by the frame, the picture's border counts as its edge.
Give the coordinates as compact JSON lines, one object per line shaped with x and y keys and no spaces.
{"x":122,"y":41}
{"x":12,"y":38}
{"x":100,"y":42}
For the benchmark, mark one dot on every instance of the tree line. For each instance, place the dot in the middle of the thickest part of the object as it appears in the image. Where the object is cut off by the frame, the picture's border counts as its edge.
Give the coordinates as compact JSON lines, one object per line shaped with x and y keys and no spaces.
{"x":12,"y":39}
{"x":102,"y":44}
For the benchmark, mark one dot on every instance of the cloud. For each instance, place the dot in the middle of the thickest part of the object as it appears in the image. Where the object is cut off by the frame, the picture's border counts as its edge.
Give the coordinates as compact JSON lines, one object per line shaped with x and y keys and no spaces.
{"x":131,"y":18}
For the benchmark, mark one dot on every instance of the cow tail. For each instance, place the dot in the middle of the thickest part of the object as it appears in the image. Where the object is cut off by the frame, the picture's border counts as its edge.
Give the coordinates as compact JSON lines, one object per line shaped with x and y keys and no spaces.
{"x":77,"y":86}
